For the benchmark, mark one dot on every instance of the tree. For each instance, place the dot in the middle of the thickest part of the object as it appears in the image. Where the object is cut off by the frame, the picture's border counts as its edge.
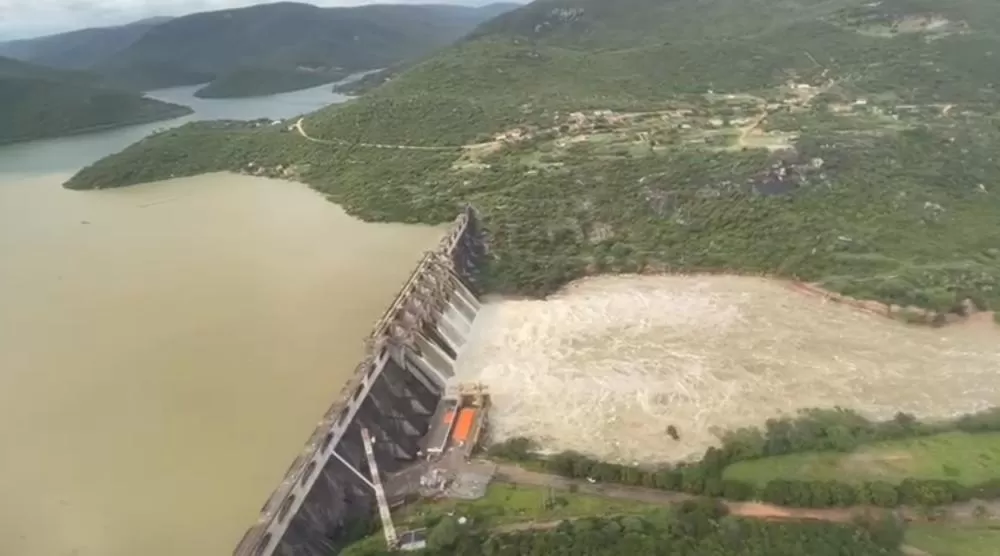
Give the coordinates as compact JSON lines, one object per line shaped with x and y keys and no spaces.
{"x":445,"y":534}
{"x":879,"y":493}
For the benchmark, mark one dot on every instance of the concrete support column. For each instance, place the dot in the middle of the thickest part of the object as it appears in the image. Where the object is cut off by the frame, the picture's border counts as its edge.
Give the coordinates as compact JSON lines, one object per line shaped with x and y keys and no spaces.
{"x":399,"y":410}
{"x":419,"y":375}
{"x":392,"y":451}
{"x":420,"y":367}
{"x":405,"y":385}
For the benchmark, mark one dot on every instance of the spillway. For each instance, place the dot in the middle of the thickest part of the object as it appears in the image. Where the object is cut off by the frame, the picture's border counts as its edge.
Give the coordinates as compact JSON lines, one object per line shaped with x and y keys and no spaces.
{"x":394,"y":393}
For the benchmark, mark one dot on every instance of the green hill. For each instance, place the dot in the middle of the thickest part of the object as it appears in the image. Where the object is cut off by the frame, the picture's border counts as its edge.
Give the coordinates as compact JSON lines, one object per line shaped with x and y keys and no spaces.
{"x":845,"y":142}
{"x":80,"y":49}
{"x":276,"y":47}
{"x":362,"y":83}
{"x":248,"y":82}
{"x":38,"y":102}
{"x":16,"y":69}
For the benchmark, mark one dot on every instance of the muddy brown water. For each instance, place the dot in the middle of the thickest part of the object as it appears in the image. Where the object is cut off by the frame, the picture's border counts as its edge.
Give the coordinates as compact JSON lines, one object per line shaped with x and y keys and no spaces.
{"x":608,"y":364}
{"x":166,"y":349}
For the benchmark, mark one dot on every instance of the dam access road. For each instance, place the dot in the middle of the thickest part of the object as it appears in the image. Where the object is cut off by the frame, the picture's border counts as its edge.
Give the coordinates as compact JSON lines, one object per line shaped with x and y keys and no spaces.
{"x":393,"y":394}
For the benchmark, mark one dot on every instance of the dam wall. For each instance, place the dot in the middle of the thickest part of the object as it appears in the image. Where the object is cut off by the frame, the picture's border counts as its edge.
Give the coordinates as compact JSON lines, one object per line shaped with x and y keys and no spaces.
{"x":393,"y":393}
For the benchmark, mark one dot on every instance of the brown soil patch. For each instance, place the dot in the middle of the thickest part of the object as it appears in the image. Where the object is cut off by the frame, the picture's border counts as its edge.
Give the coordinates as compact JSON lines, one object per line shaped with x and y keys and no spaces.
{"x":976,"y":318}
{"x":883,"y":463}
{"x":759,"y":510}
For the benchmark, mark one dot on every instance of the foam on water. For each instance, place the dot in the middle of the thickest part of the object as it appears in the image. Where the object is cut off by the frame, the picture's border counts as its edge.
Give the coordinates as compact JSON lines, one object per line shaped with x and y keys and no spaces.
{"x":609,"y":363}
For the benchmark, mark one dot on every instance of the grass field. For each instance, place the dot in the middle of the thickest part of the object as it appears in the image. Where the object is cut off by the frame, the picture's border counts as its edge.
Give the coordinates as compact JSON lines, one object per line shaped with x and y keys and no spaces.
{"x":952,"y":540}
{"x":966,"y":458}
{"x":505,"y":504}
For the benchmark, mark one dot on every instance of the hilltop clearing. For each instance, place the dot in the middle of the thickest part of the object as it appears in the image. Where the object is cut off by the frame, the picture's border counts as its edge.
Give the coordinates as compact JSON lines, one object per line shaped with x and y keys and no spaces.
{"x":842,"y":142}
{"x":37,"y":102}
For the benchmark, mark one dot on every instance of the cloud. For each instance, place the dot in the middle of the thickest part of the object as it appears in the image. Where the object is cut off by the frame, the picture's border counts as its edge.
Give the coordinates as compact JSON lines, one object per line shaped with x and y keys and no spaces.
{"x":25,"y":18}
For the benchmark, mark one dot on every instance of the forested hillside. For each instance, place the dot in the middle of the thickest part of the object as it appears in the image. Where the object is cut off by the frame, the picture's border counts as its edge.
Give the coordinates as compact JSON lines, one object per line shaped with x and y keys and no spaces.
{"x":265,"y":81}
{"x":273,"y":47}
{"x":694,"y":529}
{"x":38,"y":102}
{"x":78,"y":49}
{"x":844,"y":142}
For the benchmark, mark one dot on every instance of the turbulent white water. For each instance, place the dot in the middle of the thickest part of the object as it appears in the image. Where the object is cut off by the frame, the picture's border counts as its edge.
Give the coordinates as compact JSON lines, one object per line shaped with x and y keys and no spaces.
{"x":606,"y":366}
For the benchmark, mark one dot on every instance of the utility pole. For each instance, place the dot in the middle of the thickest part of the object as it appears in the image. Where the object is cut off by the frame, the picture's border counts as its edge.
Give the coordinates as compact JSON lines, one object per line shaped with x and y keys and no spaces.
{"x":391,"y":541}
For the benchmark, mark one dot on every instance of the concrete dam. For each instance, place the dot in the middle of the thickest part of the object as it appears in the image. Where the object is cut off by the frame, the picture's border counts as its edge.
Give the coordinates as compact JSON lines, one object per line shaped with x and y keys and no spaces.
{"x":394,"y":395}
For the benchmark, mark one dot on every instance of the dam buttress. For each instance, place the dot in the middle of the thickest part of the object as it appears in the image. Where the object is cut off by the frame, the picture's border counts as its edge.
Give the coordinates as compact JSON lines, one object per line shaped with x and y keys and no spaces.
{"x":394,"y":393}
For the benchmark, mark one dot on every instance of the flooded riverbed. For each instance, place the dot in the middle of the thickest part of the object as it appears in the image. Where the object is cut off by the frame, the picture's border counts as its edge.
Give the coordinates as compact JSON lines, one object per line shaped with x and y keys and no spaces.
{"x":608,"y":364}
{"x":166,"y":349}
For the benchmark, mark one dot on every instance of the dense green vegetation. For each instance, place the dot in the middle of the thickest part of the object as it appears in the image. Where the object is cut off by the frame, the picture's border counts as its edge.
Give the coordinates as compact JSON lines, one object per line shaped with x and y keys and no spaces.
{"x":955,"y":540}
{"x":369,"y":81}
{"x":506,"y":504}
{"x":873,"y":173}
{"x":250,"y":47}
{"x":38,"y":102}
{"x":249,"y":82}
{"x":966,"y":458}
{"x":503,"y":507}
{"x":16,"y":69}
{"x":819,"y":434}
{"x":694,"y":528}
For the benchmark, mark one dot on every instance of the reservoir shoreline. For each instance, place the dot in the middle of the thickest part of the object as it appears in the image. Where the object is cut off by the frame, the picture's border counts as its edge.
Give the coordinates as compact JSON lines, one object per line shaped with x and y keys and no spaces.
{"x":909,"y":314}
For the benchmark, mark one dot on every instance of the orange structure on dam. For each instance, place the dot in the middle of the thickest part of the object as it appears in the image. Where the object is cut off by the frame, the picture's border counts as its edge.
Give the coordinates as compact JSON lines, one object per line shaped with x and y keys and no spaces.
{"x":463,"y":426}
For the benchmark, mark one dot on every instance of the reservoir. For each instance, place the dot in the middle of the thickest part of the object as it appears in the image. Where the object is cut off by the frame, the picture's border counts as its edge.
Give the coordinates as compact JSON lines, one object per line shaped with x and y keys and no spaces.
{"x":68,"y":154}
{"x":165,"y":349}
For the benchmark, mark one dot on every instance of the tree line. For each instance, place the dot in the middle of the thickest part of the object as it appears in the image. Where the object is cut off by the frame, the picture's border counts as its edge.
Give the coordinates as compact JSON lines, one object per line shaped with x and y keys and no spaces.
{"x":814,"y":430}
{"x":695,"y":528}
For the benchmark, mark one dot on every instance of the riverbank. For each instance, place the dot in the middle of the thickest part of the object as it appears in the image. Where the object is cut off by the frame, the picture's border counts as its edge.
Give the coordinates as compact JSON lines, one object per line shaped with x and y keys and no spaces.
{"x":640,"y":214}
{"x":966,"y":311}
{"x":165,"y":111}
{"x":258,"y":82}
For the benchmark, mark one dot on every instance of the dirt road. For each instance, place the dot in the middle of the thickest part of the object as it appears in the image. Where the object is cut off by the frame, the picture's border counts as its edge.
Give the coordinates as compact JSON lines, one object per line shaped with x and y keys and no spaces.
{"x":516,"y":475}
{"x":964,"y":512}
{"x":302,"y":132}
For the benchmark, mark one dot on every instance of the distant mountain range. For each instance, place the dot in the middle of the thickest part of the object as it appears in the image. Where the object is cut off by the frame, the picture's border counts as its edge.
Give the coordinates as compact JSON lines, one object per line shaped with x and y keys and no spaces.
{"x":81,"y":49}
{"x":261,"y":49}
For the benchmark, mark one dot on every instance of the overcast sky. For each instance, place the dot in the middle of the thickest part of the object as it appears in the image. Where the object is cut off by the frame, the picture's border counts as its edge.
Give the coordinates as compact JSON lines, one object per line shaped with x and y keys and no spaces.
{"x":26,"y":18}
